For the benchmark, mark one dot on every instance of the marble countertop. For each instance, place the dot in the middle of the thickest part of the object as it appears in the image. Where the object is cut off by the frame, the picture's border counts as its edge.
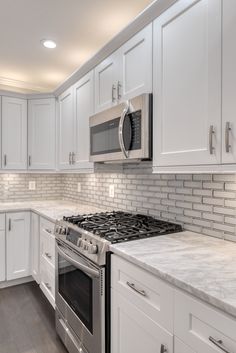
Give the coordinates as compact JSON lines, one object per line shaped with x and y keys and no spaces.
{"x":199,"y":264}
{"x":51,"y":210}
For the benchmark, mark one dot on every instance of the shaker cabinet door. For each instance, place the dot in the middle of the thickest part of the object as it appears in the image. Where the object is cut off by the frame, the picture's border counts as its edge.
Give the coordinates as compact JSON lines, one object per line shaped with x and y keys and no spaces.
{"x":14,"y":133}
{"x":2,"y":248}
{"x":66,"y":129}
{"x":187,"y":84}
{"x":18,"y":245}
{"x":229,"y":82}
{"x":84,"y":108}
{"x":133,"y":331}
{"x":106,"y":79}
{"x":42,"y":132}
{"x":136,"y":65}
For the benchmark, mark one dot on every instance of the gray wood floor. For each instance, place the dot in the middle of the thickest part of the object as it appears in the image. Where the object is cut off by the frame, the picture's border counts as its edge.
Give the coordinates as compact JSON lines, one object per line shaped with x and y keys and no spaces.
{"x":27,"y":321}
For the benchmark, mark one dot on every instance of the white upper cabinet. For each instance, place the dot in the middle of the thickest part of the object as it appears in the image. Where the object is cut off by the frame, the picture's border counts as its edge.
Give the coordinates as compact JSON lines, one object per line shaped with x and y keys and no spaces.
{"x":126,"y":73}
{"x":84,"y":108}
{"x":187,"y":84}
{"x":136,"y":65}
{"x":229,"y":82}
{"x":14,"y":133}
{"x":18,"y":245}
{"x":67,"y":125}
{"x":41,"y":133}
{"x":106,"y":79}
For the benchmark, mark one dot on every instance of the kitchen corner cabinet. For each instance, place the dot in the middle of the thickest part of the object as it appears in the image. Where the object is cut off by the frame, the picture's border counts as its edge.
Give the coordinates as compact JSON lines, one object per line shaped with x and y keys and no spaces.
{"x":35,"y":247}
{"x":2,"y":248}
{"x":83,"y":108}
{"x":18,"y":245}
{"x":187,"y":84}
{"x":126,"y":73}
{"x":67,"y":126}
{"x":228,"y":82}
{"x":14,"y":133}
{"x":41,"y":134}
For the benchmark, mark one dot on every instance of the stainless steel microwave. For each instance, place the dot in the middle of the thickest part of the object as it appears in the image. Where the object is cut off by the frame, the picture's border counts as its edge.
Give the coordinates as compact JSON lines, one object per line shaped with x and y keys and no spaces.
{"x":122,"y":133}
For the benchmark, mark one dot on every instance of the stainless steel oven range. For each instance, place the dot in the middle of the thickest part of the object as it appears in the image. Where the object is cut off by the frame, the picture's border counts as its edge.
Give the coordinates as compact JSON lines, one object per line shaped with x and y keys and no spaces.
{"x":83,"y":273}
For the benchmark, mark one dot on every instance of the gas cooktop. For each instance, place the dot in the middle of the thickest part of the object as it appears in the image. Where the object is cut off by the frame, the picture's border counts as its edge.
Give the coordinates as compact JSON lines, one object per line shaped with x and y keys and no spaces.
{"x":121,"y":226}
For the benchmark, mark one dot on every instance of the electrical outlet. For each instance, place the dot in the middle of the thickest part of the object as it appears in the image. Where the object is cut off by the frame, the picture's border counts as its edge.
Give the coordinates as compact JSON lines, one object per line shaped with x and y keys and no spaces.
{"x":32,"y":185}
{"x":79,"y":187}
{"x":111,"y":190}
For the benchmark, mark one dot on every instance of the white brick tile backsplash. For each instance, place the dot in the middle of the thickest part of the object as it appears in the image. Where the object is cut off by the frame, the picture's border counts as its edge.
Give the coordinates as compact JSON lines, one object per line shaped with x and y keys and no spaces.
{"x":202,"y":203}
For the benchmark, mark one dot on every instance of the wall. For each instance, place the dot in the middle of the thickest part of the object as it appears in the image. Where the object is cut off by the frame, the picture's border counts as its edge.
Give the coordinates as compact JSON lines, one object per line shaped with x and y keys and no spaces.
{"x":201,"y":203}
{"x":15,"y":187}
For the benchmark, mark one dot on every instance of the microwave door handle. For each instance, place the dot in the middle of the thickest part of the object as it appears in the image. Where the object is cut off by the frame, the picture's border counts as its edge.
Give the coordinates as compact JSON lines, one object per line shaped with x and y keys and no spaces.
{"x":120,"y":131}
{"x":77,"y":264}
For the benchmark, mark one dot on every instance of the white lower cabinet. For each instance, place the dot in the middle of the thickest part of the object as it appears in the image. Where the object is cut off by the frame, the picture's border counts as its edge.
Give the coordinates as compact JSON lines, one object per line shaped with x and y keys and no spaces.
{"x":134,"y":331}
{"x":47,"y":259}
{"x":35,"y":247}
{"x":2,"y":248}
{"x":18,"y":245}
{"x":202,"y":327}
{"x":142,"y":306}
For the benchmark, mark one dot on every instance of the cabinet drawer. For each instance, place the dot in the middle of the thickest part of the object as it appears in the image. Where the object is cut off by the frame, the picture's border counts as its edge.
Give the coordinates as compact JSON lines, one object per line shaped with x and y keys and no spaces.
{"x":46,"y":226}
{"x":195,"y":322}
{"x":47,"y":242}
{"x":47,"y":283}
{"x":145,"y":290}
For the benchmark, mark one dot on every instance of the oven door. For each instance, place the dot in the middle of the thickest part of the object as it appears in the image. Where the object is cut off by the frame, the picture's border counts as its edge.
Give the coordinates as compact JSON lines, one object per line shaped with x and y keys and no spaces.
{"x":80,"y":297}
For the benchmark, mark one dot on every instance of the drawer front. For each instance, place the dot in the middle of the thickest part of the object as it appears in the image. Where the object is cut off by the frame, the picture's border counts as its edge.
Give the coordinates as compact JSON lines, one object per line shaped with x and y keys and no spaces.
{"x":47,"y":243}
{"x":2,"y":221}
{"x":47,"y":283}
{"x":46,"y":226}
{"x":145,"y":290}
{"x":195,"y":322}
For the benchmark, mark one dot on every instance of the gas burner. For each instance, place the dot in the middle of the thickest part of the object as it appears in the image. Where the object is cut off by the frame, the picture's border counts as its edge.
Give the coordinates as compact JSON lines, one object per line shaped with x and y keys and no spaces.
{"x":121,"y":226}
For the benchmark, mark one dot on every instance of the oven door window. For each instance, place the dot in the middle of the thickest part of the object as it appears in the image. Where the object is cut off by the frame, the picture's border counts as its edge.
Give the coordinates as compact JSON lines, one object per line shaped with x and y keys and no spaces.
{"x":76,"y":288}
{"x":104,"y":138}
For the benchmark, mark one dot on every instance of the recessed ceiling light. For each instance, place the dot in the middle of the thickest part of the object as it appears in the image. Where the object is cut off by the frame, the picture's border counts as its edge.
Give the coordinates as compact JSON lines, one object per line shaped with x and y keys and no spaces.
{"x":48,"y":43}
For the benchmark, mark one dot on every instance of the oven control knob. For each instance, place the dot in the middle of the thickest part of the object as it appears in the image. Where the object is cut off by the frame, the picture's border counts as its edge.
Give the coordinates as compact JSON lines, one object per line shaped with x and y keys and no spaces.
{"x":84,"y":245}
{"x":63,"y":230}
{"x":93,"y":249}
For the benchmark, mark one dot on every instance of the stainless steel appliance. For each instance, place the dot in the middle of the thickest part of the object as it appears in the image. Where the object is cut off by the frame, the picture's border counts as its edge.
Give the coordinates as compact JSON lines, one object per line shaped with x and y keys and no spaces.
{"x":122,"y":133}
{"x":82,"y":273}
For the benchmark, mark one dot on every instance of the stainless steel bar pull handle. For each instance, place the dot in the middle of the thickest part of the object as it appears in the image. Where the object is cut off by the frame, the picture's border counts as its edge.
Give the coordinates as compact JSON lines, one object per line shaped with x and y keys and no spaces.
{"x":73,"y":157}
{"x":139,"y":291}
{"x":113,"y":91}
{"x":70,"y":156}
{"x":29,"y":161}
{"x":5,"y":160}
{"x":119,"y":86}
{"x":163,"y":349}
{"x":219,"y":344}
{"x":120,"y":132}
{"x":48,"y":255}
{"x":211,"y":133}
{"x":227,"y":131}
{"x":9,"y":224}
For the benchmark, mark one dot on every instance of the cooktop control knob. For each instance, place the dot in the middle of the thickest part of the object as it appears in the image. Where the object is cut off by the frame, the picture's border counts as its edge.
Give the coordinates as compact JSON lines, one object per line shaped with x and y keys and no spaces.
{"x":93,"y":249}
{"x":85,"y":244}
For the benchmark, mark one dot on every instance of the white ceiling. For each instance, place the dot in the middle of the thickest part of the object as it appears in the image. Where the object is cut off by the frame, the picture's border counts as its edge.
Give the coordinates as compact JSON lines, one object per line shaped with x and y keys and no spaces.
{"x":79,"y":27}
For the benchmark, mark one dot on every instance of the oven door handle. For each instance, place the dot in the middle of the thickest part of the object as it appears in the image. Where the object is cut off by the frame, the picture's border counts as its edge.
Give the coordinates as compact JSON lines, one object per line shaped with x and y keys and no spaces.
{"x":90,"y":271}
{"x":120,"y":131}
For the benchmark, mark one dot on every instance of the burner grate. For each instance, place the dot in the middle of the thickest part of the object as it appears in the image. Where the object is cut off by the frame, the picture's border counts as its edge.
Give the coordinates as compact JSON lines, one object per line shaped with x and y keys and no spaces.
{"x":121,"y":226}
